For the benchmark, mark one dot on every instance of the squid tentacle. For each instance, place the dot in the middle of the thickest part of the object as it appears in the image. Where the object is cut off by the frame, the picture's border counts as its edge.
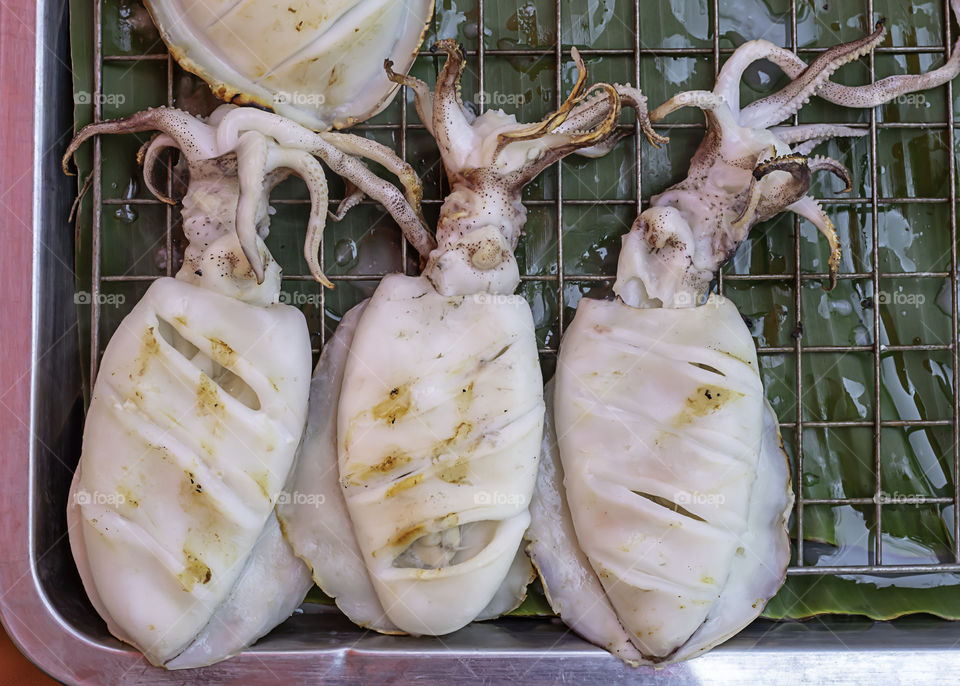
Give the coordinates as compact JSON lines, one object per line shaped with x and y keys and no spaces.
{"x":891,"y":87}
{"x":796,"y":165}
{"x":805,"y":137}
{"x":452,"y":123}
{"x":824,"y":163}
{"x":810,"y":209}
{"x":803,"y":133}
{"x":775,"y":108}
{"x":239,"y":120}
{"x":554,"y":120}
{"x":727,"y":87}
{"x":193,"y":137}
{"x":704,"y":100}
{"x":411,"y":222}
{"x":220,"y":112}
{"x":808,"y":146}
{"x":596,"y":111}
{"x":148,"y":156}
{"x":586,"y":115}
{"x":801,"y":168}
{"x":749,"y":212}
{"x":251,"y":152}
{"x":878,"y":92}
{"x":571,"y":142}
{"x":308,"y":168}
{"x":351,"y":199}
{"x":588,"y":112}
{"x":263,"y":144}
{"x":75,"y":206}
{"x":292,"y":135}
{"x":637,"y":101}
{"x":385,"y":157}
{"x":422,"y":95}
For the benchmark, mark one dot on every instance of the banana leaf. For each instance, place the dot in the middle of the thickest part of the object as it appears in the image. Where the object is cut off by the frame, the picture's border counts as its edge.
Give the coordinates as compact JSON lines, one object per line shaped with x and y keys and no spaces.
{"x":913,"y":237}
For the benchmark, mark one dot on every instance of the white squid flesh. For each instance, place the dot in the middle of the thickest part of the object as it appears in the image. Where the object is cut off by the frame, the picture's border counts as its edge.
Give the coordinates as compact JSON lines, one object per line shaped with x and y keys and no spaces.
{"x":659,"y":524}
{"x":438,"y":388}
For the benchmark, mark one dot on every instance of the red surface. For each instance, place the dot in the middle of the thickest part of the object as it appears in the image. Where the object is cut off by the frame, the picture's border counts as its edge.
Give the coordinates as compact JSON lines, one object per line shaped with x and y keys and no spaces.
{"x":16,"y":669}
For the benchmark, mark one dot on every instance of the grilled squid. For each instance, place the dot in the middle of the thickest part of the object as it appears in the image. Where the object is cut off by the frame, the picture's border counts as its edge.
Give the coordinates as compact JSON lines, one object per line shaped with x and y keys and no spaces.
{"x":659,"y":523}
{"x":201,"y":400}
{"x":317,"y":62}
{"x":437,"y":387}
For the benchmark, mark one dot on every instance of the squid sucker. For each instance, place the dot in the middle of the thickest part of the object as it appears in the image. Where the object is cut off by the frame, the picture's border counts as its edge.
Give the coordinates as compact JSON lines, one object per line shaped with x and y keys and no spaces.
{"x":659,"y":520}
{"x":437,"y":389}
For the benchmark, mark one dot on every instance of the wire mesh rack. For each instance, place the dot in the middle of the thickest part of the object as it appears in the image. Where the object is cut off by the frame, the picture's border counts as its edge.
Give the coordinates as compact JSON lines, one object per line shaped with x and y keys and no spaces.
{"x":792,"y":425}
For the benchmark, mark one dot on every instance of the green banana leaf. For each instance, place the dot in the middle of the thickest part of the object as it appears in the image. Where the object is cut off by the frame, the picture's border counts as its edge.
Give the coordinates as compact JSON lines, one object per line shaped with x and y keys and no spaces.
{"x":914,"y":237}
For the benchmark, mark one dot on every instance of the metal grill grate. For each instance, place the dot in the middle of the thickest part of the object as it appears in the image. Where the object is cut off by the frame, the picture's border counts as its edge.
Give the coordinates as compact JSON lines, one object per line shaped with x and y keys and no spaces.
{"x":476,"y":61}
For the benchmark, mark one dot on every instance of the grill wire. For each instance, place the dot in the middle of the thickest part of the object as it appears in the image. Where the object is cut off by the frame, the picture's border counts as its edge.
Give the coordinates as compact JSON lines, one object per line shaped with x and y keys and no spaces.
{"x":476,"y":59}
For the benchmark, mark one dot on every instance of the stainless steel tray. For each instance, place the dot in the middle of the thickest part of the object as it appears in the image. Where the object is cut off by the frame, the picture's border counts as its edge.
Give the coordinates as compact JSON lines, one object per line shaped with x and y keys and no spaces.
{"x":42,"y":604}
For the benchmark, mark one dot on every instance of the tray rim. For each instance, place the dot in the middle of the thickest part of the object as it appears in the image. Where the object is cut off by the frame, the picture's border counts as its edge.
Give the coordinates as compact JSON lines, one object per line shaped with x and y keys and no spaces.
{"x":66,"y":654}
